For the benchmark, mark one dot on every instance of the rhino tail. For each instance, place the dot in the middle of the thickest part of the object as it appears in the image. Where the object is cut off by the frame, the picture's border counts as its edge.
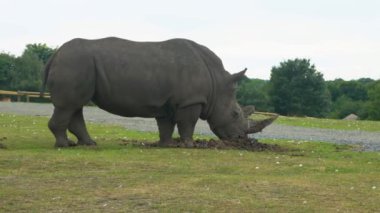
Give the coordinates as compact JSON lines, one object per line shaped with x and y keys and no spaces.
{"x":46,"y":74}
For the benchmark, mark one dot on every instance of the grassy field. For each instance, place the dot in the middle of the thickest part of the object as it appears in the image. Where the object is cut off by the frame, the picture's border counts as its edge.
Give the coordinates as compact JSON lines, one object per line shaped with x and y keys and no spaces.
{"x":310,"y":122}
{"x":371,"y":126}
{"x":309,"y":177}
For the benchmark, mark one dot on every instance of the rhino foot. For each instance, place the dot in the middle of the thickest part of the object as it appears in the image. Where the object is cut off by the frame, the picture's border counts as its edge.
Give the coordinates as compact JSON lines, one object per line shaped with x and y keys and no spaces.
{"x":177,"y":143}
{"x":167,"y":143}
{"x":86,"y":142}
{"x":188,"y":143}
{"x":64,"y":143}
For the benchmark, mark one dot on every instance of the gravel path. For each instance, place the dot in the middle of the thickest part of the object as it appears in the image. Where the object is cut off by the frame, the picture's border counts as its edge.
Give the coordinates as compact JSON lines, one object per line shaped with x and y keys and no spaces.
{"x":368,"y":140}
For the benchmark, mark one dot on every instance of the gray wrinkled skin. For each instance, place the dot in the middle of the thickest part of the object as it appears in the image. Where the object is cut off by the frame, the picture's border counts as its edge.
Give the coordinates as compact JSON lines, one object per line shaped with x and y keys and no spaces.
{"x":175,"y":81}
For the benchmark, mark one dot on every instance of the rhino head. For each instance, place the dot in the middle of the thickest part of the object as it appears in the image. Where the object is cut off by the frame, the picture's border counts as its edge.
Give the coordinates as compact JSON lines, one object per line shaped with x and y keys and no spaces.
{"x":230,"y":121}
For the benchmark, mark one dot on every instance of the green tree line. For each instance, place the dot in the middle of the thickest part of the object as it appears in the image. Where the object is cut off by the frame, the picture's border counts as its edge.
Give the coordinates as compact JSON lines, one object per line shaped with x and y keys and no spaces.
{"x":24,"y":72}
{"x":295,"y":88}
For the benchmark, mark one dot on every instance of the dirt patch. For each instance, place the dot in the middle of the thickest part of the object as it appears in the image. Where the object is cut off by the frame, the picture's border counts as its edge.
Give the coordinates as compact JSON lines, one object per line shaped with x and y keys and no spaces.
{"x":241,"y":144}
{"x":2,"y":146}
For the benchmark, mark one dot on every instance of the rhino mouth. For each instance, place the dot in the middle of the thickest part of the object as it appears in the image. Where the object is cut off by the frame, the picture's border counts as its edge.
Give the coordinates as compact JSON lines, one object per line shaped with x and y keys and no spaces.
{"x":229,"y":135}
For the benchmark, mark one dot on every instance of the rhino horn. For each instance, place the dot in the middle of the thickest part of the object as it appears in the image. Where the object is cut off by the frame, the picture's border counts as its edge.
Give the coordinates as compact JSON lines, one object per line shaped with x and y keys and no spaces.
{"x":248,"y":110}
{"x":257,"y":126}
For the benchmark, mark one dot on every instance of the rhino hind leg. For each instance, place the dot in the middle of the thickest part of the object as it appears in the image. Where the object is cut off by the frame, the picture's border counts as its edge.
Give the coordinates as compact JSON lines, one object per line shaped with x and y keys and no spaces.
{"x":58,"y":125}
{"x":77,"y":126}
{"x":186,"y":118}
{"x":165,"y":128}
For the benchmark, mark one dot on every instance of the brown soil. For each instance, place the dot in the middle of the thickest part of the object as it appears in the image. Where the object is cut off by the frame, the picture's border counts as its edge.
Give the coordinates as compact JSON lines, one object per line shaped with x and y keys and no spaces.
{"x":241,"y":144}
{"x":2,"y":146}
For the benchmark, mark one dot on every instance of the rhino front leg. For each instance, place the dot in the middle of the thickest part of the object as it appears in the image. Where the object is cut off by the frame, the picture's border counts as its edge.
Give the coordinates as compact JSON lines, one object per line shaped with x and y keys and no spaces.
{"x":165,"y":128}
{"x":58,"y":125}
{"x":77,"y":126}
{"x":186,"y":118}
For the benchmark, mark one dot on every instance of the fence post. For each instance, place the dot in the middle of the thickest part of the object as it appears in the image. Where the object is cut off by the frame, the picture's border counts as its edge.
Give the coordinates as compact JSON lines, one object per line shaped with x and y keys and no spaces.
{"x":21,"y":94}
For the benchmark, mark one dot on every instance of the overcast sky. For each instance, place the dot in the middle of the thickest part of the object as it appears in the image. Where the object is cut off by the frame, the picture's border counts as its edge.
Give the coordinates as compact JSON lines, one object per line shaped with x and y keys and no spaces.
{"x":341,"y":37}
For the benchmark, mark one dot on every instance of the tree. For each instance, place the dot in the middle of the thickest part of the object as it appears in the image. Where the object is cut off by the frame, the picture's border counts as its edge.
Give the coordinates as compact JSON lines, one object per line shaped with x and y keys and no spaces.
{"x":374,"y":102}
{"x":297,"y":88}
{"x":42,"y":51}
{"x":254,"y":92}
{"x":7,"y":66}
{"x":355,"y":90}
{"x":344,"y":106}
{"x":334,"y":88}
{"x":26,"y":70}
{"x":350,"y":97}
{"x":27,"y":73}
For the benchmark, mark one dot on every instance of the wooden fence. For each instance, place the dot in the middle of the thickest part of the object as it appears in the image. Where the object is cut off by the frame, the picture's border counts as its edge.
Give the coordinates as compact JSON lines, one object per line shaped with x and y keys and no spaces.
{"x":26,"y":94}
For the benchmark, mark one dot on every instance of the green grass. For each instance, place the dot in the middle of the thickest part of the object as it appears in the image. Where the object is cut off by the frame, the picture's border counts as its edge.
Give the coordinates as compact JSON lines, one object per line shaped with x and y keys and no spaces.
{"x":370,"y":126}
{"x":310,"y":177}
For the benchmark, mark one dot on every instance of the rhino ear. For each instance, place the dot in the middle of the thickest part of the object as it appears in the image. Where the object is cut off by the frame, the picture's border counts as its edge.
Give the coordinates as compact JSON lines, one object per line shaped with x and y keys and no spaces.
{"x":237,"y":76}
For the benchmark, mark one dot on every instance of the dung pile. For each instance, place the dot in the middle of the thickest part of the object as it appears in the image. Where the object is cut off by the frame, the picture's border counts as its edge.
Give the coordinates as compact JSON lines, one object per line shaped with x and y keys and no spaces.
{"x":249,"y":144}
{"x":2,"y":146}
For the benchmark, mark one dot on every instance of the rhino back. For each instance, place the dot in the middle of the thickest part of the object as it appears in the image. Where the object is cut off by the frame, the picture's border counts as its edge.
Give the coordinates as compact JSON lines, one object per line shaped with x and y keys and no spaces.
{"x":148,"y":79}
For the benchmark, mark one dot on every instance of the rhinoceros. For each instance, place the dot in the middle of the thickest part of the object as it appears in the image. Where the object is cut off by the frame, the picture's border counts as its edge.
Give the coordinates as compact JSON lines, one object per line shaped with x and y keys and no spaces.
{"x":176,"y":82}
